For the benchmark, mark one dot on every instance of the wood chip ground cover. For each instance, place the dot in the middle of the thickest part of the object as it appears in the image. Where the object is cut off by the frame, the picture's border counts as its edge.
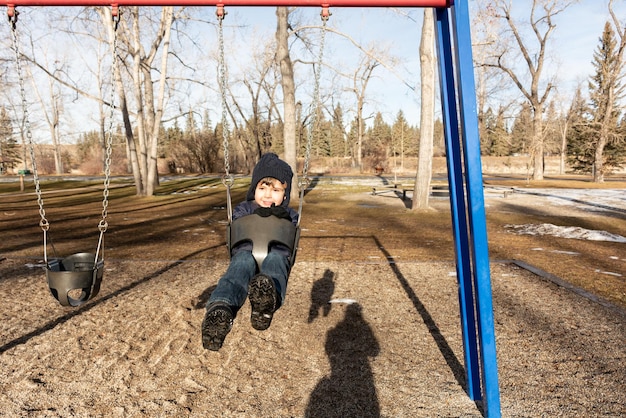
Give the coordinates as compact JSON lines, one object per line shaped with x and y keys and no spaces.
{"x":370,"y":327}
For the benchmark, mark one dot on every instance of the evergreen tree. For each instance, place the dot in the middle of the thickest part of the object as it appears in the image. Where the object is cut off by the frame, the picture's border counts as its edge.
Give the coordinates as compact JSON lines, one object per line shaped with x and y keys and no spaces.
{"x":9,"y":152}
{"x":352,"y":139}
{"x":322,"y":143}
{"x":500,"y":144}
{"x":206,"y":121}
{"x":521,"y":132}
{"x":190,"y":127}
{"x":579,"y":135}
{"x":400,"y":137}
{"x":487,"y":132}
{"x":339,"y":144}
{"x":379,"y":138}
{"x":552,"y":140}
{"x":439,"y":143}
{"x":605,"y":93}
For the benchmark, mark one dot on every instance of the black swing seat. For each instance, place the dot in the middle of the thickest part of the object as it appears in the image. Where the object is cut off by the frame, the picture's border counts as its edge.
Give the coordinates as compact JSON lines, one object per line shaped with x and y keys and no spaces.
{"x":76,"y":272}
{"x":263,"y":232}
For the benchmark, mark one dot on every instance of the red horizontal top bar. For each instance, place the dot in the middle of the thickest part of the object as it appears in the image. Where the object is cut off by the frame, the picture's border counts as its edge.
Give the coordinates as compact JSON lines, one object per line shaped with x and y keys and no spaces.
{"x":320,"y":3}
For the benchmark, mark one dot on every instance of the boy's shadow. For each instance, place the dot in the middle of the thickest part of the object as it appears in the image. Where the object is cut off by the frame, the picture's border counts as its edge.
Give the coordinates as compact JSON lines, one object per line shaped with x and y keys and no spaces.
{"x":349,"y":391}
{"x":200,"y":301}
{"x":321,"y":293}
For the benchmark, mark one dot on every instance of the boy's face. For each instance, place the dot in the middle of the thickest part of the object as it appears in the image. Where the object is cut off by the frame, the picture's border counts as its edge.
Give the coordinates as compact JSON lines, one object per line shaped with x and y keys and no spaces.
{"x":269,"y":191}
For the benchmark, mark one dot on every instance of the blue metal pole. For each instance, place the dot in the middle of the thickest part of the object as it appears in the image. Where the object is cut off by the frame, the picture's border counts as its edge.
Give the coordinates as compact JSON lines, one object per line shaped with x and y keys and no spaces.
{"x":477,"y":217}
{"x":457,"y":202}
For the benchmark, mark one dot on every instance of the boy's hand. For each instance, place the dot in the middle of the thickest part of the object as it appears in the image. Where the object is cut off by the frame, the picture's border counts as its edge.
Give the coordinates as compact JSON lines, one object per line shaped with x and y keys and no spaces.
{"x":263,"y":212}
{"x":278,"y":211}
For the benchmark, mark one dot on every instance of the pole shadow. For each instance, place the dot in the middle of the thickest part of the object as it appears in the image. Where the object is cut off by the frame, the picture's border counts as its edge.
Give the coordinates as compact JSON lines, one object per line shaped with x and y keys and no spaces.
{"x":446,"y":351}
{"x":314,"y":181}
{"x":202,"y":299}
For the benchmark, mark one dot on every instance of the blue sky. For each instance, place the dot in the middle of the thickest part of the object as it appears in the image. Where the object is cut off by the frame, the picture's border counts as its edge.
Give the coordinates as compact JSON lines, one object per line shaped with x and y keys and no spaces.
{"x":398,"y":33}
{"x":577,"y":36}
{"x":570,"y":51}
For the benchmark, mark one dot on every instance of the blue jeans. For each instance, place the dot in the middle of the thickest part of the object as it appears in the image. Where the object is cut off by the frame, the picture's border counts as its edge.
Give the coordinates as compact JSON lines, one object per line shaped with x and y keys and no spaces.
{"x":232,"y":287}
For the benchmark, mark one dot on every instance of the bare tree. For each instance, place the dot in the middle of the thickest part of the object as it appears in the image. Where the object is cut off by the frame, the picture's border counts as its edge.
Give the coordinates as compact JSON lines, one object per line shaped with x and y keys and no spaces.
{"x":563,"y":123}
{"x":360,"y":79}
{"x":289,"y":89}
{"x":423,"y":177}
{"x":372,"y":57}
{"x":52,"y":117}
{"x":491,"y":83}
{"x":609,"y":62}
{"x":529,"y":82}
{"x":250,"y":124}
{"x":139,"y":64}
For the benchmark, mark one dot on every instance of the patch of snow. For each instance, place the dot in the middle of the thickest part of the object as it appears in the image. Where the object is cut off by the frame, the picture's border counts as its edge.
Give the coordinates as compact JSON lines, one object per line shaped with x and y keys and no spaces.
{"x":610,"y":273}
{"x":32,"y":266}
{"x":344,"y":300}
{"x":593,"y":200}
{"x":570,"y":232}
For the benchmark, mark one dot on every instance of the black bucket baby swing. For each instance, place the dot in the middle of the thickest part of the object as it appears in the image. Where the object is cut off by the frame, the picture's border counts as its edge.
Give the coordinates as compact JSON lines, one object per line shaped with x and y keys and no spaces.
{"x":75,"y":279}
{"x":265,"y":231}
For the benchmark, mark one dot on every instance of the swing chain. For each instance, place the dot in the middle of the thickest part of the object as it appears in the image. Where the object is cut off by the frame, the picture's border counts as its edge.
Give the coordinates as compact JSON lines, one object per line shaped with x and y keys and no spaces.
{"x":103,"y":225}
{"x":43,"y":223}
{"x":222,"y":80}
{"x":304,"y":181}
{"x":228,"y":179}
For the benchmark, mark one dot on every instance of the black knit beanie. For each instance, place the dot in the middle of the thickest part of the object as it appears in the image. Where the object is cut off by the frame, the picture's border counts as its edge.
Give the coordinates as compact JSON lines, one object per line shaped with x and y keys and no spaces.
{"x":271,"y":166}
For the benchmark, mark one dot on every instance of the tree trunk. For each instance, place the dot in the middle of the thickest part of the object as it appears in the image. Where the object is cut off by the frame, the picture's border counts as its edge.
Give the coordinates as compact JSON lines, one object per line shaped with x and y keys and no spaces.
{"x":58,"y":163}
{"x":105,"y":14}
{"x":563,"y":150}
{"x":289,"y":92}
{"x":153,"y":174}
{"x":423,"y":177}
{"x":598,"y":162}
{"x":537,"y":144}
{"x":139,"y":100}
{"x":52,"y":118}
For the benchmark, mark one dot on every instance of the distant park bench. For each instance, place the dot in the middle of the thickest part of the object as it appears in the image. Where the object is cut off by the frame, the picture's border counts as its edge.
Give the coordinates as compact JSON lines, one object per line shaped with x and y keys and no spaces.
{"x":436,"y":190}
{"x":392,"y":188}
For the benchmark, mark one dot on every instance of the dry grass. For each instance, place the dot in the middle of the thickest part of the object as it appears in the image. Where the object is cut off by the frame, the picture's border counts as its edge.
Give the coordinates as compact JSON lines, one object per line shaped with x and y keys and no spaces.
{"x":346,"y":214}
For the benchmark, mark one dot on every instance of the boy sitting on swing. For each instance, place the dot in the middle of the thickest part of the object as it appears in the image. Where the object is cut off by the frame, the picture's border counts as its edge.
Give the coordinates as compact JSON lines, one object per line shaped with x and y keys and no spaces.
{"x":268,"y":196}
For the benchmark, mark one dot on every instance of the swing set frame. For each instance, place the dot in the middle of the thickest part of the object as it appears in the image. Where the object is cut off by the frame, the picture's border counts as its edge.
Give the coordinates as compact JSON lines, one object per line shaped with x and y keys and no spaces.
{"x":458,"y":98}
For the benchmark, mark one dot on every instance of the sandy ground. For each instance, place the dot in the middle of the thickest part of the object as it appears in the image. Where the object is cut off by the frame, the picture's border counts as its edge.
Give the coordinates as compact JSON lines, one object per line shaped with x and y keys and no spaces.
{"x":135,"y":349}
{"x":375,"y":335}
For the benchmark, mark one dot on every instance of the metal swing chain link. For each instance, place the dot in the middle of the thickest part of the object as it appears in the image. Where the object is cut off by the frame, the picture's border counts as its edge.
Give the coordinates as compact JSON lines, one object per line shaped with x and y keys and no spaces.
{"x":228,"y":178}
{"x":43,"y":223}
{"x":103,"y":225}
{"x":304,"y":181}
{"x":222,"y":80}
{"x":316,"y":98}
